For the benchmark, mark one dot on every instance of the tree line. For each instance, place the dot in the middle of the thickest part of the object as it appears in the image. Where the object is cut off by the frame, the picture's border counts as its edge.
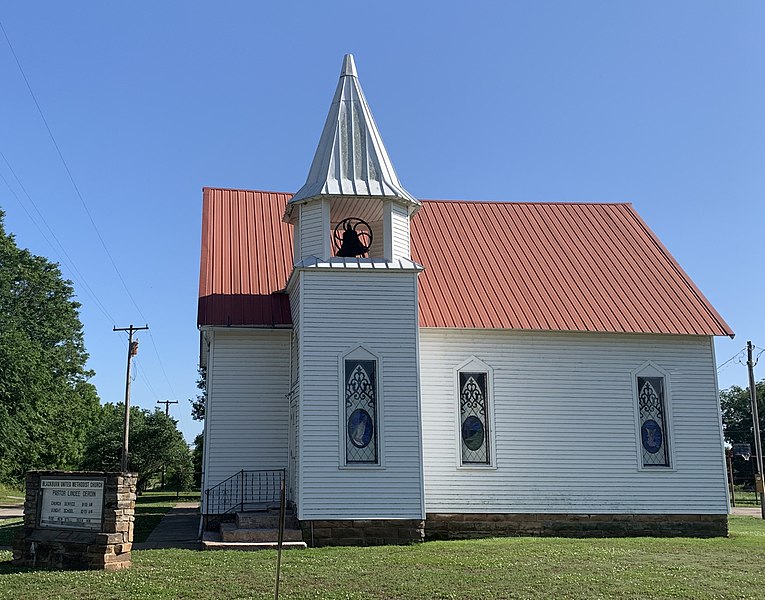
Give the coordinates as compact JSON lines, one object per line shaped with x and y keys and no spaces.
{"x":50,"y":414}
{"x":738,"y":426}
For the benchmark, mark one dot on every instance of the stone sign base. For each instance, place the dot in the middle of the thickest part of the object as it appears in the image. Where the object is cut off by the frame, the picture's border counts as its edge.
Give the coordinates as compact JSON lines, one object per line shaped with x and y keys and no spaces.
{"x":473,"y":525}
{"x":69,"y":547}
{"x":363,"y":532}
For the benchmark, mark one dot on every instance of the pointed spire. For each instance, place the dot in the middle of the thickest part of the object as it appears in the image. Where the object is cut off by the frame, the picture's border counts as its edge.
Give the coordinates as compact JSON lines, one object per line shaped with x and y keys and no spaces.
{"x":349,"y":66}
{"x":351,"y":159}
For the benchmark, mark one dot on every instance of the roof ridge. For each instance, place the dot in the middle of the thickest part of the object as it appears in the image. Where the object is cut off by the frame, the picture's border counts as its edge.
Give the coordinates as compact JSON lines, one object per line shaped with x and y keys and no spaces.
{"x":447,"y":201}
{"x":527,"y":202}
{"x":231,"y":189}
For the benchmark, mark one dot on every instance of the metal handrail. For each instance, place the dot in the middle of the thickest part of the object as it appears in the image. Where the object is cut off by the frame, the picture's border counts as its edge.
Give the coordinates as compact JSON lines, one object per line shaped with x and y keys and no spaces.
{"x":257,"y":486}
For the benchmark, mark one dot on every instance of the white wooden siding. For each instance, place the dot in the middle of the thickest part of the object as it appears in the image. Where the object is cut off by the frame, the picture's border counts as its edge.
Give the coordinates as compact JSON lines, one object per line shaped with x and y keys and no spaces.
{"x":400,"y":231}
{"x":340,"y":310}
{"x":247,"y":409}
{"x":295,"y":389}
{"x":565,"y":424}
{"x":377,"y":249}
{"x":314,"y":233}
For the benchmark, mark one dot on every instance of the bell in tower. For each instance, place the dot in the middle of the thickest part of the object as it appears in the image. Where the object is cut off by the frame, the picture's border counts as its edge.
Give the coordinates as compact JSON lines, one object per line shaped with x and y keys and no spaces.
{"x":354,"y":237}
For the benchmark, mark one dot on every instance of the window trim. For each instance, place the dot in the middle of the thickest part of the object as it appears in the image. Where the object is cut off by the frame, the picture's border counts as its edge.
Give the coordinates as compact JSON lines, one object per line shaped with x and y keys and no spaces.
{"x":651,"y":369}
{"x":360,"y":352}
{"x":475,"y":365}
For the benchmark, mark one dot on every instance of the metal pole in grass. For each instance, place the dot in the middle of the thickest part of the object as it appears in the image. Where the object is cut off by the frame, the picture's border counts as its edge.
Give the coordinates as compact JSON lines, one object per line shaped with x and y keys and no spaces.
{"x":756,"y":426}
{"x":281,"y":535}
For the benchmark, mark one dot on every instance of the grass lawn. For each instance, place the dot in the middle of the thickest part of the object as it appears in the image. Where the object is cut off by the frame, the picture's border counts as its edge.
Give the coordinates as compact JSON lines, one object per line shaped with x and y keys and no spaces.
{"x":10,"y":496}
{"x":540,"y":568}
{"x":747,"y":498}
{"x":8,"y":529}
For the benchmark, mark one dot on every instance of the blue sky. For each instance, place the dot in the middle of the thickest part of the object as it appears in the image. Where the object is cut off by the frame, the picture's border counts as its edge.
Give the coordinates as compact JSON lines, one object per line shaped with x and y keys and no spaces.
{"x":658,"y":104}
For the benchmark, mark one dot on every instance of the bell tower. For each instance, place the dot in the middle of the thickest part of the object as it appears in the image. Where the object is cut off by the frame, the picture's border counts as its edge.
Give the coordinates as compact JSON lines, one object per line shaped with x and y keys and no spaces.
{"x":352,"y":203}
{"x":356,"y":440}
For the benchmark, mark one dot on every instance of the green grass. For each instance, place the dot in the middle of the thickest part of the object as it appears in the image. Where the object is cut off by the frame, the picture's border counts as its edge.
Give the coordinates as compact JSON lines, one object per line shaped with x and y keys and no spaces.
{"x":8,"y":529}
{"x":747,"y":498}
{"x":534,"y":568}
{"x":10,"y":496}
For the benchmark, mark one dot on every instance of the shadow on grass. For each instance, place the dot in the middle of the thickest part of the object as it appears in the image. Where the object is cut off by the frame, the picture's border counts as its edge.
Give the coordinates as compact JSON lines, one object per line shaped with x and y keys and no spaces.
{"x":8,"y":530}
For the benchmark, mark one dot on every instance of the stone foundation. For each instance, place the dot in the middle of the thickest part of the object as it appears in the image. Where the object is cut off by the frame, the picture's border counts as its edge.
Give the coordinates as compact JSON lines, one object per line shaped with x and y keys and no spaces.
{"x":473,"y":525}
{"x":69,"y":548}
{"x":363,"y":532}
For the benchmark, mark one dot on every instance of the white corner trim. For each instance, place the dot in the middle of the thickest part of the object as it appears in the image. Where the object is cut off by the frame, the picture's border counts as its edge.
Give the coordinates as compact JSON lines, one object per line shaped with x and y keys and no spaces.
{"x":720,"y":423}
{"x":388,"y":230}
{"x":326,"y":228}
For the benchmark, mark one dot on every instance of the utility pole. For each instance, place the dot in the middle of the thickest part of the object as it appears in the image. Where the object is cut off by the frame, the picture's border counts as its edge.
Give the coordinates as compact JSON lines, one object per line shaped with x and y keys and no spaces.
{"x":167,"y":404}
{"x":756,"y":425}
{"x":132,"y":351}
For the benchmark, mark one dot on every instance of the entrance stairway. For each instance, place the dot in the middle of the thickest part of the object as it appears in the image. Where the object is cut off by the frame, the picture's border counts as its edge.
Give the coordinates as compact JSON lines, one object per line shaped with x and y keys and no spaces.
{"x":256,"y":528}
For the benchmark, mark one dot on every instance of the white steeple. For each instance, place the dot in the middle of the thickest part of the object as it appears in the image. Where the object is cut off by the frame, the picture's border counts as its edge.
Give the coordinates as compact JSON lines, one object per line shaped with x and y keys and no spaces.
{"x":351,"y":159}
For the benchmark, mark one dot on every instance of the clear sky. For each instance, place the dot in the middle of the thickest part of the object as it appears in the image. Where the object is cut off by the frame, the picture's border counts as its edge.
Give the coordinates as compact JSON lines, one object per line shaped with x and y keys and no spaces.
{"x":661,"y":104}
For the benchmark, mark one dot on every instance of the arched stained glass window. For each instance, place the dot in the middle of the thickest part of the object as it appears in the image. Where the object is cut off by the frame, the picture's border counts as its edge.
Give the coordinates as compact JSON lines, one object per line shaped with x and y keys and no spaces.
{"x":361,"y":411}
{"x":653,"y":423}
{"x":474,"y":418}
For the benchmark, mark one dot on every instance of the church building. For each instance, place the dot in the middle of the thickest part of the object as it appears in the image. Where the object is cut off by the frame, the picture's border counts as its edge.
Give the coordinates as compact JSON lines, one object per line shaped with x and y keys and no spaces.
{"x":408,"y":383}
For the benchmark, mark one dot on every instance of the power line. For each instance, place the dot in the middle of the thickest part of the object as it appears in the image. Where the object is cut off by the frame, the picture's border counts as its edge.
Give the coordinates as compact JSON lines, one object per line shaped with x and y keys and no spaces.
{"x":145,"y":380}
{"x":68,"y":261}
{"x":82,"y":201}
{"x":757,"y":358}
{"x":736,"y":355}
{"x":68,"y":171}
{"x":161,"y":366}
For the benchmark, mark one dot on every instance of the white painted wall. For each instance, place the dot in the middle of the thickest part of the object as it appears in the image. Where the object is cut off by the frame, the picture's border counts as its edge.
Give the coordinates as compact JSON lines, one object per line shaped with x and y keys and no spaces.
{"x":566,"y":426}
{"x":313,"y":227}
{"x":293,"y":473}
{"x":340,"y":310}
{"x":400,"y":231}
{"x":247,"y":410}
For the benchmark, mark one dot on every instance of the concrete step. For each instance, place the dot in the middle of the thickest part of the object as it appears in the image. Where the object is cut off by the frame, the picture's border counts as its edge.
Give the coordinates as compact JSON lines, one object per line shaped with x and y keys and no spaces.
{"x":212,"y":541}
{"x":268,"y":519}
{"x":229,"y":532}
{"x":260,"y":507}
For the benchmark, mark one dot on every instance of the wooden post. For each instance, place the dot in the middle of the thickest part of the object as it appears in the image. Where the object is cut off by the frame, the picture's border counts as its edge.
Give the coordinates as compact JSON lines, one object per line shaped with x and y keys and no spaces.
{"x":756,"y":427}
{"x":132,"y":351}
{"x":729,"y":460}
{"x":281,"y":534}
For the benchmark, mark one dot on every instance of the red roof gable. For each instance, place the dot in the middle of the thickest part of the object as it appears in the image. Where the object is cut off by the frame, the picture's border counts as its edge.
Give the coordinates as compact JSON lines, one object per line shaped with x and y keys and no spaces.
{"x":538,"y":266}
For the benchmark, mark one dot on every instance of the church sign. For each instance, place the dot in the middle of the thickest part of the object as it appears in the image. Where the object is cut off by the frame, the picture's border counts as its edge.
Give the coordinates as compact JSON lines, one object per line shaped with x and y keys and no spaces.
{"x":77,"y":520}
{"x":71,"y":503}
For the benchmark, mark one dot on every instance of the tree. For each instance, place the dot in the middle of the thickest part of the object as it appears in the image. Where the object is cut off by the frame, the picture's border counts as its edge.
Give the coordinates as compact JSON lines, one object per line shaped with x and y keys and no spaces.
{"x":197,"y":457}
{"x":737,"y":422}
{"x":45,"y":398}
{"x":198,"y":403}
{"x":154,"y":443}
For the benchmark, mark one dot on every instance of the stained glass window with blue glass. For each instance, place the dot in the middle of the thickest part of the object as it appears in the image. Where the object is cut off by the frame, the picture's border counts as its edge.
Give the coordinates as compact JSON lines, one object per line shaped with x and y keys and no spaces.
{"x":653,"y":425}
{"x":474,"y":421}
{"x":361,"y":411}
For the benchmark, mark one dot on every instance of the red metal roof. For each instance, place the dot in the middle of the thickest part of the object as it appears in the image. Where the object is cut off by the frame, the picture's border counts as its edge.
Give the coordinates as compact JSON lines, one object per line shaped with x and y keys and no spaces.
{"x":246,"y":259}
{"x":538,"y":266}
